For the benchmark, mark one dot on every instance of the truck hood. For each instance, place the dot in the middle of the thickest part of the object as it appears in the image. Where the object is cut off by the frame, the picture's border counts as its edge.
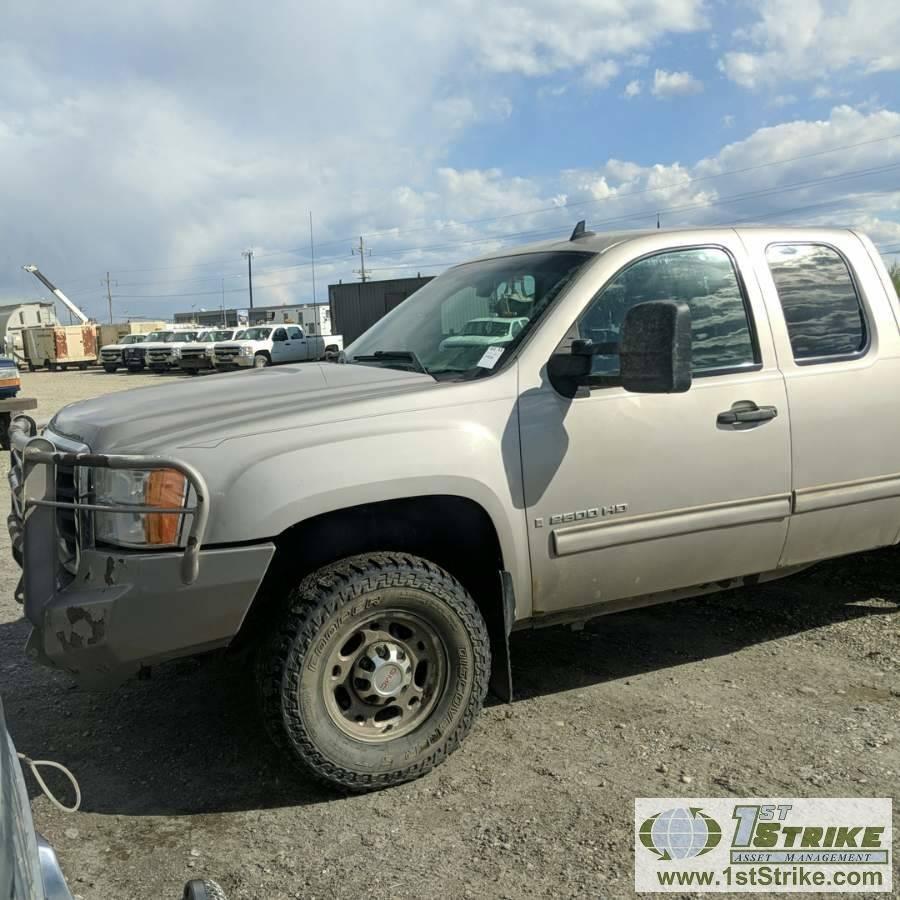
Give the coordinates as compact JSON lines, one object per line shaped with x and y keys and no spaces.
{"x":204,"y":412}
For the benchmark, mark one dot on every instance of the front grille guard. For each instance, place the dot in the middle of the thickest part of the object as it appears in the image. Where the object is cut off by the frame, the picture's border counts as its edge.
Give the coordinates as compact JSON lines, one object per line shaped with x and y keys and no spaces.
{"x":34,"y":488}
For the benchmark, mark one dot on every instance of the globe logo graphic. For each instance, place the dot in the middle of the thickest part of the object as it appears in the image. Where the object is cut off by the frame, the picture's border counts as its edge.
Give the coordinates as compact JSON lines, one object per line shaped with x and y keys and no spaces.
{"x":680,"y":833}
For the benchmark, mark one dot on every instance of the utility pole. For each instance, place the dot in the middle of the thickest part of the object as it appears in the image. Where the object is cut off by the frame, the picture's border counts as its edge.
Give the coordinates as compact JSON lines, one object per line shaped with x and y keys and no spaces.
{"x":109,"y":296}
{"x":361,"y":250}
{"x":224,"y":322}
{"x":249,"y":255}
{"x":312,"y":255}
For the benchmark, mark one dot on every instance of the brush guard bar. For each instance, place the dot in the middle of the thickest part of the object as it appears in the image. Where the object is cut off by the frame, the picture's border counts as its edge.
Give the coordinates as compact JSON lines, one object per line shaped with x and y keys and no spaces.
{"x":32,"y":481}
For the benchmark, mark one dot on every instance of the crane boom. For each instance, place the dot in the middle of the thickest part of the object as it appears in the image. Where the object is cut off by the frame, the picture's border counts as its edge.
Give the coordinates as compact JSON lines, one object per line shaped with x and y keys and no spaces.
{"x":57,"y":293}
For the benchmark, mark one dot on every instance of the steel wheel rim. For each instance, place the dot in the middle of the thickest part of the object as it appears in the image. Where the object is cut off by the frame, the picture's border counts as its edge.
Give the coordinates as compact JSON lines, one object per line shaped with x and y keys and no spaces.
{"x":385,"y":675}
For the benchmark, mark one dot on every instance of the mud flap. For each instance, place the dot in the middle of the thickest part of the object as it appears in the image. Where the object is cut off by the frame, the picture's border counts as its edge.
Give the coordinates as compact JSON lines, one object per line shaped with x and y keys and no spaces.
{"x":499,"y":627}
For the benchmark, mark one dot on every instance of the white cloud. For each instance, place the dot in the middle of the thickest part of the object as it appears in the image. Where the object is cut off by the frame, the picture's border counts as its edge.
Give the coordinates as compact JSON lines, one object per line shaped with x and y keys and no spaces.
{"x":672,"y":84}
{"x":809,"y":39}
{"x":728,"y":120}
{"x":601,"y":73}
{"x":780,"y":100}
{"x":632,"y":89}
{"x":126,"y":143}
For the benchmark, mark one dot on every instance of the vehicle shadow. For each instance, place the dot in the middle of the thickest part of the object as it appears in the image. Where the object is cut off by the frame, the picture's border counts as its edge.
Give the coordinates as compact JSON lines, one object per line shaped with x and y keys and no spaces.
{"x":189,"y":739}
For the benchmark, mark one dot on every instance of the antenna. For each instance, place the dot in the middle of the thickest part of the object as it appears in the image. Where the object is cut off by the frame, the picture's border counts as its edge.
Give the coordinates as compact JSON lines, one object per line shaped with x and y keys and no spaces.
{"x":580,"y":231}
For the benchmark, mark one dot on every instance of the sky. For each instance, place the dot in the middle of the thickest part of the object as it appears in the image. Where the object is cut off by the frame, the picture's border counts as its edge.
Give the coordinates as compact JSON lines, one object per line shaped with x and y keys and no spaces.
{"x":157,"y":141}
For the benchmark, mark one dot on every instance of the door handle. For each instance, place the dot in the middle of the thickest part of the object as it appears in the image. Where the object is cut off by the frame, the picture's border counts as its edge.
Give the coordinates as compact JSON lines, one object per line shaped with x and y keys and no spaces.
{"x":746,"y":413}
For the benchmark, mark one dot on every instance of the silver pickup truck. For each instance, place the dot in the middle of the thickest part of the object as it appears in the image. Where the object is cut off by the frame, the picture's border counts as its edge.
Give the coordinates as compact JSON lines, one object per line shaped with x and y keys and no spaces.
{"x":681,"y":412}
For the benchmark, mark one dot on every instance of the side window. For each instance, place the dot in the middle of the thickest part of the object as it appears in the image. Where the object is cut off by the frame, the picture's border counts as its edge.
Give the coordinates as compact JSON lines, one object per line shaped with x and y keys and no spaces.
{"x":280,"y":335}
{"x":295,"y":334}
{"x":705,"y":279}
{"x":821,"y":307}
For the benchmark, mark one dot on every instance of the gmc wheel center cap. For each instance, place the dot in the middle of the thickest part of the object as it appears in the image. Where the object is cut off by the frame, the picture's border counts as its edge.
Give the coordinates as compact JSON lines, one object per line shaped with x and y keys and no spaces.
{"x":388,"y":680}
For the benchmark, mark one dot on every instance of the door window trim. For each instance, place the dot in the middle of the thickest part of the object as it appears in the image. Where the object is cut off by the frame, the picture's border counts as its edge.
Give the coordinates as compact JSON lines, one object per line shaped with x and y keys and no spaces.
{"x":594,"y":382}
{"x":854,"y":281}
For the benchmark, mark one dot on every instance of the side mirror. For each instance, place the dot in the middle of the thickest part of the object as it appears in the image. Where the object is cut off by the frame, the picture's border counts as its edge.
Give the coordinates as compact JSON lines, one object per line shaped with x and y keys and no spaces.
{"x":655,"y":348}
{"x":569,"y":370}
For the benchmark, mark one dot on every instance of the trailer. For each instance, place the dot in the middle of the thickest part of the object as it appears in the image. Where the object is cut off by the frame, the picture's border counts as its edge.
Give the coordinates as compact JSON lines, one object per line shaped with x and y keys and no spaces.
{"x":60,"y":346}
{"x":112,"y":334}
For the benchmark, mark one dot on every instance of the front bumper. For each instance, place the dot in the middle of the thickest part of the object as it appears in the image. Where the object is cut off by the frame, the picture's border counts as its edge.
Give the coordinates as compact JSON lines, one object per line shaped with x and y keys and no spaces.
{"x":196,"y":362}
{"x":235,"y":362}
{"x":101,"y":613}
{"x":126,"y":610}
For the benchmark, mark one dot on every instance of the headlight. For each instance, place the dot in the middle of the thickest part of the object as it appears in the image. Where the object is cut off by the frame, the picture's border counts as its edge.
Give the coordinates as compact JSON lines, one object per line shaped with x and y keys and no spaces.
{"x":165,"y":488}
{"x":246,"y":351}
{"x":210,"y":352}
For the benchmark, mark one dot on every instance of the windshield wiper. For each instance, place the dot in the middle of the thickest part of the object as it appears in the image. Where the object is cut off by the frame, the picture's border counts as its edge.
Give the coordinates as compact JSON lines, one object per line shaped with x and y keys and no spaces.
{"x":386,"y":356}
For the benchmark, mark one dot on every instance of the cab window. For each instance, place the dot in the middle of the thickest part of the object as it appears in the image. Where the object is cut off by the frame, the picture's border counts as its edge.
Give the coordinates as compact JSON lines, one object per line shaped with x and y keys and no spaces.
{"x":280,"y":335}
{"x":821,"y":306}
{"x":703,"y":278}
{"x":295,"y":334}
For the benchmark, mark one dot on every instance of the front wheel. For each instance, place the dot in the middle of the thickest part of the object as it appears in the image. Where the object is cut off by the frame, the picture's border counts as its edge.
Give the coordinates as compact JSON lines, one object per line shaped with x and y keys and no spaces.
{"x":203,"y":890}
{"x":377,"y":671}
{"x":109,"y":368}
{"x":260,"y":361}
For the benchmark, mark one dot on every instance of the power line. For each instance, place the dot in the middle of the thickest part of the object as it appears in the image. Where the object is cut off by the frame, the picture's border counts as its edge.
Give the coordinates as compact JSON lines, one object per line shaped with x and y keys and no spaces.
{"x":630,"y":217}
{"x":537,"y":211}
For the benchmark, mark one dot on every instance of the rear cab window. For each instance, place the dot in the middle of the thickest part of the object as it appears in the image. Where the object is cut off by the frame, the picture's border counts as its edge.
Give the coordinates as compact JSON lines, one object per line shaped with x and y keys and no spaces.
{"x":820,"y":302}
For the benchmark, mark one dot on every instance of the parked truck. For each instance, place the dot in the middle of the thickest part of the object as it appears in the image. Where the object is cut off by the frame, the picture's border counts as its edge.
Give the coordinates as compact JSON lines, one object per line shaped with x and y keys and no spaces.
{"x":684,"y":412}
{"x":267,"y":345}
{"x":111,"y":354}
{"x":200,"y":356}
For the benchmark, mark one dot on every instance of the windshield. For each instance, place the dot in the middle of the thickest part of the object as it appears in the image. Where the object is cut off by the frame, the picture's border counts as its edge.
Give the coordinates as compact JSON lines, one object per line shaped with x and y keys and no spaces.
{"x":257,"y":334}
{"x":240,"y":334}
{"x":214,"y":336}
{"x":159,"y":336}
{"x":482,"y":298}
{"x":133,"y":338}
{"x":173,"y":337}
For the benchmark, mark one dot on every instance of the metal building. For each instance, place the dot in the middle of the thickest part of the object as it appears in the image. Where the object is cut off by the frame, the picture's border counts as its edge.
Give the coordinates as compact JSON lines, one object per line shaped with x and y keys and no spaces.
{"x":356,"y":306}
{"x":314,"y":317}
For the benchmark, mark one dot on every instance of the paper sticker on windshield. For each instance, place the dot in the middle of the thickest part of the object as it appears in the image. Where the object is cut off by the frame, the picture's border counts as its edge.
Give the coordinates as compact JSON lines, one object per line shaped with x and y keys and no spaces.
{"x":491,"y":355}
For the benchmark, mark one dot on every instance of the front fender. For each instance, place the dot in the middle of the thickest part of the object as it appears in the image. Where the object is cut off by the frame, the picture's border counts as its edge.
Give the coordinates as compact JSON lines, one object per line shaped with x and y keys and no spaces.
{"x":284,"y":478}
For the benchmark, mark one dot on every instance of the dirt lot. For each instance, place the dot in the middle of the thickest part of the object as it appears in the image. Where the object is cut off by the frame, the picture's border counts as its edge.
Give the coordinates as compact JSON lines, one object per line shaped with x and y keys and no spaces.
{"x":789,"y":689}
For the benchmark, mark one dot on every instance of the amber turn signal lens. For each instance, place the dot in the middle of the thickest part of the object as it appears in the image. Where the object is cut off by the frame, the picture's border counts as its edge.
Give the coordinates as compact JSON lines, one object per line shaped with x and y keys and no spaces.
{"x":166,"y":488}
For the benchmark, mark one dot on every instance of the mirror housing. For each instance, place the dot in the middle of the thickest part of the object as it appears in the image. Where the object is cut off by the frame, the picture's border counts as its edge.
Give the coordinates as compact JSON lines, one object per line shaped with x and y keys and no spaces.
{"x":655,"y":348}
{"x":567,"y":371}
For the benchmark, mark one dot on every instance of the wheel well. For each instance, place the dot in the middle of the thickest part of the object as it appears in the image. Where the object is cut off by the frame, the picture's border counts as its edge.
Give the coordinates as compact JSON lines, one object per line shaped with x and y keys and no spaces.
{"x":454,"y":532}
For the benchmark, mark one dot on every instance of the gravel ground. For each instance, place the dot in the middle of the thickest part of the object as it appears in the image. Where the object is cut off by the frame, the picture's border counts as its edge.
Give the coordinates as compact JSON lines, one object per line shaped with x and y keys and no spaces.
{"x":788,"y":689}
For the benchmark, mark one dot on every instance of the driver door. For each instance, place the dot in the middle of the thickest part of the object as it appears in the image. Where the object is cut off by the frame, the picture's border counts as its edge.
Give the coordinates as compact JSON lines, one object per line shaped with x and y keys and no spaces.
{"x":280,"y":346}
{"x":629,"y":495}
{"x":298,"y":343}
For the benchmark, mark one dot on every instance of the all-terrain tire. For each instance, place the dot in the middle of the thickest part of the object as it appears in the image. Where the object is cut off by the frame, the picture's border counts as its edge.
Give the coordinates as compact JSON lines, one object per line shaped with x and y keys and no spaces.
{"x":261,"y":360}
{"x":204,"y":889}
{"x":109,"y":368}
{"x":322,"y":611}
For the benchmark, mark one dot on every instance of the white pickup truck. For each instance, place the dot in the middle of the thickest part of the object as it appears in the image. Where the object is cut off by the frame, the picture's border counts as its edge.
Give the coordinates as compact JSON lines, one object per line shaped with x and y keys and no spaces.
{"x":200,"y":354}
{"x":268,"y":345}
{"x":111,"y":354}
{"x":165,"y":355}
